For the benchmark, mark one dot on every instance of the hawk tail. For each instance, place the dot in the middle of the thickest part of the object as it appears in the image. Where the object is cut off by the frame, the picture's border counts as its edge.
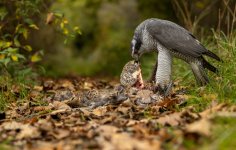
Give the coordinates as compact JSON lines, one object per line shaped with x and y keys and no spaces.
{"x":212,"y":55}
{"x":210,"y":67}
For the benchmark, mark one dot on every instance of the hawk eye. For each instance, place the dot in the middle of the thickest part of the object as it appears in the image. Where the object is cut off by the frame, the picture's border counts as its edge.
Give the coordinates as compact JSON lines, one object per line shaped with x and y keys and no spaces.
{"x":138,"y":44}
{"x":135,"y":45}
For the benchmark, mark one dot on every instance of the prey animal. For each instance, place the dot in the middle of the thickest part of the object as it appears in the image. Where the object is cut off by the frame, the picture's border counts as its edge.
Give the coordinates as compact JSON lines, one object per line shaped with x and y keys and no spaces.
{"x":131,"y":75}
{"x":170,"y":39}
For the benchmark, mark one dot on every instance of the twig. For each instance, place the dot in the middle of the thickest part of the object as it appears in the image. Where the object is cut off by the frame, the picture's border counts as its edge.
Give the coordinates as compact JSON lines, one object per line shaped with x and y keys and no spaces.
{"x":206,"y":11}
{"x":181,"y":11}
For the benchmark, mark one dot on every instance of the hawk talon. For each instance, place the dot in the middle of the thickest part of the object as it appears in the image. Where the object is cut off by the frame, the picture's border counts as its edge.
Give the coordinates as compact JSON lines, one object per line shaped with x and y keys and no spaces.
{"x":166,"y":90}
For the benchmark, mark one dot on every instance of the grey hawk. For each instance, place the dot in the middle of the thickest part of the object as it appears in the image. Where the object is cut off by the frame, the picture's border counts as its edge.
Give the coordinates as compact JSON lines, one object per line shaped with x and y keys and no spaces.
{"x":169,"y":39}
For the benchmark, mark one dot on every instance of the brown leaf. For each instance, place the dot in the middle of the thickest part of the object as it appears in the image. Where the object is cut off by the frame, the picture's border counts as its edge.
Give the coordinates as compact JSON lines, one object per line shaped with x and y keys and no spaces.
{"x":225,"y":114}
{"x":87,"y":85}
{"x":123,"y":110}
{"x":50,"y":18}
{"x":100,"y":111}
{"x":42,"y":108}
{"x":173,"y":119}
{"x":23,"y":108}
{"x":114,"y":124}
{"x":123,"y":141}
{"x":48,"y":84}
{"x":201,"y":127}
{"x":85,"y":111}
{"x":26,"y":130}
{"x":74,"y":103}
{"x":68,"y":84}
{"x":34,"y":94}
{"x":15,"y":89}
{"x":206,"y":113}
{"x":44,"y":125}
{"x":60,"y":133}
{"x":38,"y":88}
{"x":64,"y":84}
{"x":59,"y":107}
{"x":42,"y":145}
{"x":145,"y":94}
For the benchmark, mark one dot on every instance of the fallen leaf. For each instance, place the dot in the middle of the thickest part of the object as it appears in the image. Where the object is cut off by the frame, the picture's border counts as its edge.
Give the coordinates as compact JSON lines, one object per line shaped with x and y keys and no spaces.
{"x":42,"y":108}
{"x":88,"y":85}
{"x":64,"y":84}
{"x":25,"y":130}
{"x":201,"y":127}
{"x":173,"y":119}
{"x":99,"y":111}
{"x":45,"y":125}
{"x":50,"y":18}
{"x":225,"y":114}
{"x":48,"y":84}
{"x":116,"y":121}
{"x":144,"y":96}
{"x":119,"y":140}
{"x":60,"y":133}
{"x":68,"y":84}
{"x":206,"y":113}
{"x":60,"y":105}
{"x":38,"y":88}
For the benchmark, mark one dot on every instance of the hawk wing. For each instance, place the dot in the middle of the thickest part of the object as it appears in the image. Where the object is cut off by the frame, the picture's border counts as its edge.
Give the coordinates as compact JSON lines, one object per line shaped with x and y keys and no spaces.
{"x":176,"y":38}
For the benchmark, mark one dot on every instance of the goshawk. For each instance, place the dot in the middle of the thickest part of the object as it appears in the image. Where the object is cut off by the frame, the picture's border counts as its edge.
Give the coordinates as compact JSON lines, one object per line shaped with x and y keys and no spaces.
{"x":170,"y":39}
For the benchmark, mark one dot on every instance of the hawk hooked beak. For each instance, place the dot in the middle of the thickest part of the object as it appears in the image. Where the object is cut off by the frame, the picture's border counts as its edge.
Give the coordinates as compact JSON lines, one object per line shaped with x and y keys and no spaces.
{"x":135,"y":55}
{"x":134,"y":52}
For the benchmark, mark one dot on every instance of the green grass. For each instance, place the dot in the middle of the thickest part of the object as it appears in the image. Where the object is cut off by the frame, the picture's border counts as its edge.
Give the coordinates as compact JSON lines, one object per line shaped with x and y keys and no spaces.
{"x":222,"y":137}
{"x":13,"y":90}
{"x":222,"y":88}
{"x":224,"y":134}
{"x":5,"y":94}
{"x":6,"y":144}
{"x":222,"y":85}
{"x":5,"y":147}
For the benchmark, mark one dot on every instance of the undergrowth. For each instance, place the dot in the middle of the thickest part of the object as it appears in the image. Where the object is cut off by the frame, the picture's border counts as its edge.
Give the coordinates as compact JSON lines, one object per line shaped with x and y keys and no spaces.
{"x":16,"y":88}
{"x":222,"y":86}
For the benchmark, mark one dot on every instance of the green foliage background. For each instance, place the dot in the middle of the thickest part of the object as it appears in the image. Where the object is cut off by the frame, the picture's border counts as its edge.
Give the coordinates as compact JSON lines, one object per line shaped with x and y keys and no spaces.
{"x":104,"y":29}
{"x":107,"y":28}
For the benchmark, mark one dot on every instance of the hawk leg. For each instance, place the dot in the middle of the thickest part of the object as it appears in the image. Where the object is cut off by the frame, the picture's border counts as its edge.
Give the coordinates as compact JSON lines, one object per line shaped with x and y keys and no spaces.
{"x":164,"y":71}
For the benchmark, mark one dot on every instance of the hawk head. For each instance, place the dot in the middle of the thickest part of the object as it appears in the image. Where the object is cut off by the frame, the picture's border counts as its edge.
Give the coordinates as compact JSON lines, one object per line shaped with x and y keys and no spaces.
{"x":136,"y":44}
{"x":142,"y":42}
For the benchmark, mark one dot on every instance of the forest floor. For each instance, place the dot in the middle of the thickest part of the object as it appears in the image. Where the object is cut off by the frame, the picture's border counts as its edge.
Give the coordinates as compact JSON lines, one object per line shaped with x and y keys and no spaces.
{"x":63,"y":114}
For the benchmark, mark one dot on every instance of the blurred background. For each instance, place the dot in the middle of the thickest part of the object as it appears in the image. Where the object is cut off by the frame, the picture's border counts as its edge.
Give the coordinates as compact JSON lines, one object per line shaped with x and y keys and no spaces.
{"x":106,"y":27}
{"x":64,"y":39}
